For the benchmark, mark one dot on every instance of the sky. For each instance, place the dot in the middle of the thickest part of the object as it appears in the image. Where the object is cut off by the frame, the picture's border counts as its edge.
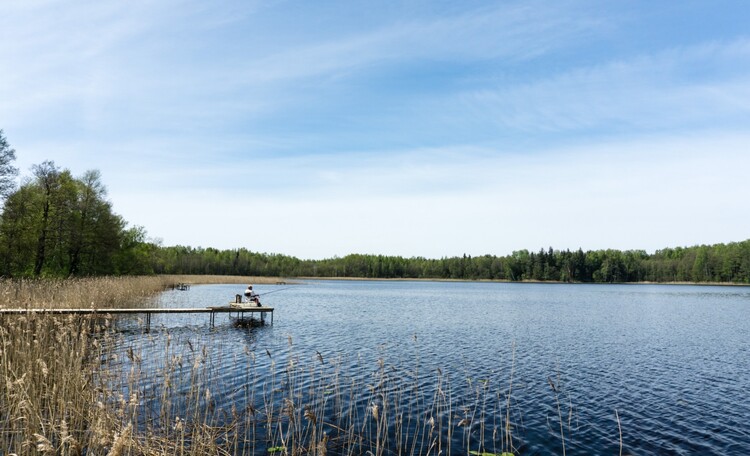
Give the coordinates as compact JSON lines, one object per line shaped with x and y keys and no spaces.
{"x":412,"y":128}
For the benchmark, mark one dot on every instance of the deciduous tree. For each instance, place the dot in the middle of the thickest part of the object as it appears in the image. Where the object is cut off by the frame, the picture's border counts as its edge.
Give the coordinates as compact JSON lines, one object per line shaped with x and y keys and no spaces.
{"x":8,"y":172}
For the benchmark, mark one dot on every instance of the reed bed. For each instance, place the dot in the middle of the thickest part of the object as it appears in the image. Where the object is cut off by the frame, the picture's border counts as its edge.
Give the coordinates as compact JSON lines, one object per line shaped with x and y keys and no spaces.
{"x":101,"y":292}
{"x":75,"y":385}
{"x":297,"y":403}
{"x":47,"y":399}
{"x":104,"y":292}
{"x":98,"y":395}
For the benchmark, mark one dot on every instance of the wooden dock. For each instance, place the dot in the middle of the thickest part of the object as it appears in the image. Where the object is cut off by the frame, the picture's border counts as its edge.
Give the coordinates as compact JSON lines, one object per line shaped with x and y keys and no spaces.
{"x":240,"y":311}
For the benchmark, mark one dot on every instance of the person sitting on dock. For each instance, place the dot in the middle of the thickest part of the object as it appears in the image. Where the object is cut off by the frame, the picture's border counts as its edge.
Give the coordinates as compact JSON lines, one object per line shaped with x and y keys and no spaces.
{"x":252,"y":296}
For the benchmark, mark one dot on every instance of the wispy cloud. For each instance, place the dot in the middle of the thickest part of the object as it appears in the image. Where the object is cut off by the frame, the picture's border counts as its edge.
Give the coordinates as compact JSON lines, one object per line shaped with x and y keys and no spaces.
{"x":673,"y":88}
{"x":91,"y":55}
{"x":517,"y":31}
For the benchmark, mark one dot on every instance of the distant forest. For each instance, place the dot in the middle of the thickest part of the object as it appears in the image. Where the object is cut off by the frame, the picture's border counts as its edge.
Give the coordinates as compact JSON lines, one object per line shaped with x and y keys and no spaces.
{"x":59,"y":225}
{"x":715,"y":263}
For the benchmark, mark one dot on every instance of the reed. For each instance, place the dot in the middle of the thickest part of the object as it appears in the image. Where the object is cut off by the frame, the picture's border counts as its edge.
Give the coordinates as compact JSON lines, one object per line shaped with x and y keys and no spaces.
{"x":100,"y":292}
{"x":47,"y":400}
{"x":105,"y":292}
{"x":73,"y":385}
{"x":292,"y":405}
{"x":49,"y":365}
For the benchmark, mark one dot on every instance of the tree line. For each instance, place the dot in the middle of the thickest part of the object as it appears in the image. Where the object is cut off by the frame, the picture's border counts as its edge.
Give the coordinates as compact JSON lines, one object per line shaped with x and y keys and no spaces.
{"x":55,"y":224}
{"x":714,"y":263}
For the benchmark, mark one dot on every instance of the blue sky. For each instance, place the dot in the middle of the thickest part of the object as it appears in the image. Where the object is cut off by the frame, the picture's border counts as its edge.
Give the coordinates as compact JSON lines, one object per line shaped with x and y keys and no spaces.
{"x":421,"y":128}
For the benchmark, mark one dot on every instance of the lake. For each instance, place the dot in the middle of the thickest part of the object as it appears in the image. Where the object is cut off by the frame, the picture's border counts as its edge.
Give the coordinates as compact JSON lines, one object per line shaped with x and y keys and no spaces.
{"x":417,"y":367}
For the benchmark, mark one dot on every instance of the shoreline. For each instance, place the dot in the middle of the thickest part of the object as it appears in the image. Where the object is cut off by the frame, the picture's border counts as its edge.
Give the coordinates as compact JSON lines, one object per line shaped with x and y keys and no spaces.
{"x":547,"y":282}
{"x":198,"y":279}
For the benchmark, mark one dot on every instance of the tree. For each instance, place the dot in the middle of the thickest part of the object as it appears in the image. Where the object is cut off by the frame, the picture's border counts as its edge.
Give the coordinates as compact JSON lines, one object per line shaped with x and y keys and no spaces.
{"x":18,"y":230}
{"x":92,"y":212}
{"x":135,"y":255}
{"x":47,"y":177}
{"x":7,"y":171}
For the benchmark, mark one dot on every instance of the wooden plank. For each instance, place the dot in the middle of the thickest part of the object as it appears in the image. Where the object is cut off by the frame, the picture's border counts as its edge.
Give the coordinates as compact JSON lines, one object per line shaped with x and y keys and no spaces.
{"x":221,"y":309}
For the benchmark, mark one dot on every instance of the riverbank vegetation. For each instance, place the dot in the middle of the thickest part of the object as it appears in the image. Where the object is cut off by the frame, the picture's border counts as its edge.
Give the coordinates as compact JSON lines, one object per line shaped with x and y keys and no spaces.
{"x":74,"y":385}
{"x":102,"y":292}
{"x":87,"y":396}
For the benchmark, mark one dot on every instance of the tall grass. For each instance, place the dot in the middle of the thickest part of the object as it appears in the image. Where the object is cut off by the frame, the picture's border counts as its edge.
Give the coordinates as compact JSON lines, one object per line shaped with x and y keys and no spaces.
{"x":72,"y":385}
{"x":78,"y":293}
{"x":47,"y":397}
{"x":100,"y":292}
{"x":297,"y":404}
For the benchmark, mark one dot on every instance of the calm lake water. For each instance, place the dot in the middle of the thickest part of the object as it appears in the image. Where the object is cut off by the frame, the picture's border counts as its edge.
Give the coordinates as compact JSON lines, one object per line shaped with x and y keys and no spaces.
{"x":672,"y":362}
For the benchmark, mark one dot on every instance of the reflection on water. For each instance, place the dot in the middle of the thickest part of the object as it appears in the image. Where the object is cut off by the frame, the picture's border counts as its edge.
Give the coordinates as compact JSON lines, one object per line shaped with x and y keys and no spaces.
{"x":422,"y":366}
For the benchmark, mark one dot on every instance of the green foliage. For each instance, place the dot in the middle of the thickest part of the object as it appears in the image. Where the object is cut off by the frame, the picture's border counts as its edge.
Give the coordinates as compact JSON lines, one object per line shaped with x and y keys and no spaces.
{"x":56,"y":225}
{"x":7,"y":171}
{"x":717,"y":263}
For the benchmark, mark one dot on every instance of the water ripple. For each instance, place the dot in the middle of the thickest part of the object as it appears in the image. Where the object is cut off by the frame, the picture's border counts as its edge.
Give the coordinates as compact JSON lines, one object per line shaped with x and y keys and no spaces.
{"x":671,"y":362}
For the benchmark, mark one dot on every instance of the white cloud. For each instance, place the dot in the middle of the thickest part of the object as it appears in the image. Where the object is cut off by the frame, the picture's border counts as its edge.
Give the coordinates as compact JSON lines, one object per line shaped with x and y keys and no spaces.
{"x":651,"y":93}
{"x":648,"y":193}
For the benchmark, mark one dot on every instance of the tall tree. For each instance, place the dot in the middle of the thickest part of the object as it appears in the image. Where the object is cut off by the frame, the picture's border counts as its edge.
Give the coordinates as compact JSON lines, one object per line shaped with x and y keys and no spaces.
{"x":47,"y":177}
{"x":7,"y":171}
{"x":18,"y":226}
{"x":91,"y":193}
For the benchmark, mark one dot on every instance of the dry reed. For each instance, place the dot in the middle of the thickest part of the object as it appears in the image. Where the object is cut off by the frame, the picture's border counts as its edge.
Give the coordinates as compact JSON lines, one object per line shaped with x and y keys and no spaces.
{"x":100,"y":292}
{"x":71,"y":385}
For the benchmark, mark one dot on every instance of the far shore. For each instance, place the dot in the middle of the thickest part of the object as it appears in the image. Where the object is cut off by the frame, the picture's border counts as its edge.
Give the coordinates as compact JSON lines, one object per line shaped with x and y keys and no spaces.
{"x":549,"y":282}
{"x":197,"y":279}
